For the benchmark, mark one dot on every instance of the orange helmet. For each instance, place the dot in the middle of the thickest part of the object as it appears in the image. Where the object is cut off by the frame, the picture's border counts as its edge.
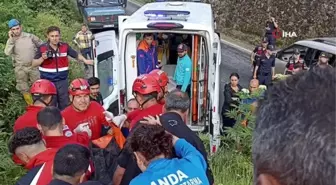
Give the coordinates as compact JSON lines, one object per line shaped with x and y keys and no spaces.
{"x":160,"y":76}
{"x":146,"y":84}
{"x":43,"y":87}
{"x":79,"y":86}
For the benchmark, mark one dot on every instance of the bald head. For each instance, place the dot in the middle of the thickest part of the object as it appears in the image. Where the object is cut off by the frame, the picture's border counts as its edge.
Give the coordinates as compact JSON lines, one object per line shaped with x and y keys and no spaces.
{"x":254,"y":85}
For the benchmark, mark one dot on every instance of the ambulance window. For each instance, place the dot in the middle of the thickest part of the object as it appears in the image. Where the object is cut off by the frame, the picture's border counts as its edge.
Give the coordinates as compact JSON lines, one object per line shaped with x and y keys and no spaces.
{"x":105,"y":73}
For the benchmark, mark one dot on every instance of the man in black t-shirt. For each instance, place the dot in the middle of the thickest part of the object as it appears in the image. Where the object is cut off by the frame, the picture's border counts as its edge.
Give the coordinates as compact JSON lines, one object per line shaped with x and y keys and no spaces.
{"x":176,"y":106}
{"x":95,"y":90}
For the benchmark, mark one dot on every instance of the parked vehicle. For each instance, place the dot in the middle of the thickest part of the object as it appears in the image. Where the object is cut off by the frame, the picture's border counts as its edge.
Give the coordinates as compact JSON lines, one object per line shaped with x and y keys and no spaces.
{"x":98,"y":14}
{"x":310,"y":51}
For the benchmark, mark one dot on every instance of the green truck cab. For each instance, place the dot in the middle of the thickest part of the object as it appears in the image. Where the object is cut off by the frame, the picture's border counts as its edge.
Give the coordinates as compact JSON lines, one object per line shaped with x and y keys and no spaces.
{"x":99,"y":14}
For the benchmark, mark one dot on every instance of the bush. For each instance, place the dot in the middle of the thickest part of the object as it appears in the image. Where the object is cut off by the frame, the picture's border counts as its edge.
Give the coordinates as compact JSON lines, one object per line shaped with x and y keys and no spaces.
{"x":35,"y":16}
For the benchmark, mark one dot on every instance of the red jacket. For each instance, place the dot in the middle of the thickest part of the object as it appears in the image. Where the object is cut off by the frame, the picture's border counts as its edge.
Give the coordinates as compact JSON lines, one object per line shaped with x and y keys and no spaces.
{"x":28,"y":119}
{"x":153,"y":110}
{"x":46,"y":159}
{"x":93,"y":115}
{"x":60,"y":141}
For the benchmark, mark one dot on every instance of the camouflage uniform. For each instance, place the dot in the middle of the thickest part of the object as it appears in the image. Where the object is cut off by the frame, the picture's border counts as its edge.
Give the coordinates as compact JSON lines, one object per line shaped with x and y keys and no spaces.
{"x":23,"y":50}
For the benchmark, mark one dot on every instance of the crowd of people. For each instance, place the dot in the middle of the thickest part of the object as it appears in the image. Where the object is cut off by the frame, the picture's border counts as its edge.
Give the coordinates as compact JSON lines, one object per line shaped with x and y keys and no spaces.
{"x":55,"y":138}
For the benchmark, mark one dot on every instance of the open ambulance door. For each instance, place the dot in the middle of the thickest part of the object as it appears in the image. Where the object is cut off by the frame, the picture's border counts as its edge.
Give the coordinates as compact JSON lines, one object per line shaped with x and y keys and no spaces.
{"x":106,"y":62}
{"x":214,"y":86}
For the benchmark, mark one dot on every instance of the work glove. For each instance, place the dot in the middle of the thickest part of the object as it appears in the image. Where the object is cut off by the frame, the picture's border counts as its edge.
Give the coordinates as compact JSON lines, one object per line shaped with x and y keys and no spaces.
{"x":119,"y":120}
{"x":84,"y":127}
{"x":108,"y":116}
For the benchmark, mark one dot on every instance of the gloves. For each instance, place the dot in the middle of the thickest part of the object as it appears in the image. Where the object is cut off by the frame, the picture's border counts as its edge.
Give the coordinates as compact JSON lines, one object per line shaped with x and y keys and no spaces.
{"x":84,"y":127}
{"x":108,"y":116}
{"x":119,"y":120}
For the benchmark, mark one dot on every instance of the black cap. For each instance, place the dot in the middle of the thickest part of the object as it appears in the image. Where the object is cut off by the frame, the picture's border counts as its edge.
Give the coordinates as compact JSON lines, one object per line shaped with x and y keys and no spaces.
{"x":324,"y":54}
{"x":265,"y":40}
{"x":182,"y":47}
{"x":270,"y":47}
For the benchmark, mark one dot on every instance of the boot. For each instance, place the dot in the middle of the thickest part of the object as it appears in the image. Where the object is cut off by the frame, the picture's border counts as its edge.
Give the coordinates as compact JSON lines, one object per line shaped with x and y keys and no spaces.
{"x":28,"y":98}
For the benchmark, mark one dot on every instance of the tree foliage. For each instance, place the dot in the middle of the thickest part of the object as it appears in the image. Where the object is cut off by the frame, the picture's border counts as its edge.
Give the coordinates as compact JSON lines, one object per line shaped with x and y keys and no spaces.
{"x":35,"y":16}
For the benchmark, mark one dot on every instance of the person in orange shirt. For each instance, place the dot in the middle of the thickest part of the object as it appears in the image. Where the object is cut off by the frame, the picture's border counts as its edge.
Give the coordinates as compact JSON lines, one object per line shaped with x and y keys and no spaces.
{"x":162,"y":78}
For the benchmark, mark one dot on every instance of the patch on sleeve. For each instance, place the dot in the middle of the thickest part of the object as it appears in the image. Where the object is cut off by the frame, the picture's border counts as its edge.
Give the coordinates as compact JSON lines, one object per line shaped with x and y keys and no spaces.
{"x":187,"y":69}
{"x":142,"y":55}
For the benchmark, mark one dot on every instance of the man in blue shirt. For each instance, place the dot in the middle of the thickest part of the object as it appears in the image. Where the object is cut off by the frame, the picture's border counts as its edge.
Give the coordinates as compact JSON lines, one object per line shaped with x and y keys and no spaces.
{"x":182,"y":75}
{"x":147,"y":55}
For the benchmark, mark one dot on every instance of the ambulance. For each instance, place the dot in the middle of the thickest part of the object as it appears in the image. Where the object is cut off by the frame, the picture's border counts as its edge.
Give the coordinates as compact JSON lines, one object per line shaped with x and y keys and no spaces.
{"x":189,"y":22}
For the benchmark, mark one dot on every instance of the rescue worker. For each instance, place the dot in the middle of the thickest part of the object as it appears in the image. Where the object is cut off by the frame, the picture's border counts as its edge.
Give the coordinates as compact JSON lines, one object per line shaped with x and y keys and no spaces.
{"x":70,"y":165}
{"x":22,"y":46}
{"x":162,"y":78}
{"x":42,"y":92}
{"x":53,"y":62}
{"x":95,"y":94}
{"x":174,"y":121}
{"x":265,"y":67}
{"x":258,"y":52}
{"x":145,"y":90}
{"x":182,"y":75}
{"x":147,"y":55}
{"x":270,"y":29}
{"x":28,"y":145}
{"x":50,"y":123}
{"x":82,"y":111}
{"x":83,"y":40}
{"x":153,"y":155}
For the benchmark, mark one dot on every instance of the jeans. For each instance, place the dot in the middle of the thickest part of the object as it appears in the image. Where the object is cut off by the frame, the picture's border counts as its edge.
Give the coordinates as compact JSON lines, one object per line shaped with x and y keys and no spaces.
{"x":86,"y":52}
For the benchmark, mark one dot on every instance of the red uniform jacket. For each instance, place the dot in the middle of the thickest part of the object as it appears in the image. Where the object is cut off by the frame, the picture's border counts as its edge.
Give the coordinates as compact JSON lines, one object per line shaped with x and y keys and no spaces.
{"x":153,"y":110}
{"x":60,"y":141}
{"x":94,"y":116}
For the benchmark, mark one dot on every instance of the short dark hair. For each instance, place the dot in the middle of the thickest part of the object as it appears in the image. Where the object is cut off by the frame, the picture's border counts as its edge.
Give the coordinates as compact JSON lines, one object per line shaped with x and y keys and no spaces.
{"x":148,"y":35}
{"x":177,"y":100}
{"x":24,"y":137}
{"x":234,"y":74}
{"x":150,"y":141}
{"x":294,"y":138}
{"x":49,"y":117}
{"x":93,"y":81}
{"x":53,"y":28}
{"x":71,"y":160}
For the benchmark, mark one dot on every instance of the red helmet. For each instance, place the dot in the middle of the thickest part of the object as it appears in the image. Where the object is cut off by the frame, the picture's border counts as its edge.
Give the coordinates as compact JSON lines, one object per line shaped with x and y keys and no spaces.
{"x":146,"y":84}
{"x":43,"y":87}
{"x":79,"y":86}
{"x":160,"y":76}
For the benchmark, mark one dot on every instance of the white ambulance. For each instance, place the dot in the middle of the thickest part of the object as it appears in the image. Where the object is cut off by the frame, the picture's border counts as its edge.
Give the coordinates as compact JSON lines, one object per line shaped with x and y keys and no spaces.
{"x":189,"y":21}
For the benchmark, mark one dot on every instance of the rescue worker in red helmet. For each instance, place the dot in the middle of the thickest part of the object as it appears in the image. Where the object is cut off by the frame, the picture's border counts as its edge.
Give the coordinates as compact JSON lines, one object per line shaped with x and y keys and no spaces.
{"x":83,"y":113}
{"x":42,"y":92}
{"x":162,"y":78}
{"x":146,"y":90}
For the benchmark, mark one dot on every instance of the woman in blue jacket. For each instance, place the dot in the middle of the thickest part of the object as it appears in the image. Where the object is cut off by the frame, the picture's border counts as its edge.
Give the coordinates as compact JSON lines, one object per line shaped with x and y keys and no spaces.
{"x":152,"y":147}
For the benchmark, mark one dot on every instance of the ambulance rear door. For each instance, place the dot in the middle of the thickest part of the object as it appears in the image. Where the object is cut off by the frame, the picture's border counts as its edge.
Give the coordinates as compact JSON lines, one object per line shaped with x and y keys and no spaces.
{"x":214,"y":90}
{"x":106,"y":63}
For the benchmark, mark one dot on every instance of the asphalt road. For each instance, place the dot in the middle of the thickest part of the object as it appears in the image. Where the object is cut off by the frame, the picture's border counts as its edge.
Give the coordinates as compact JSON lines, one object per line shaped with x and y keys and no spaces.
{"x":233,"y":60}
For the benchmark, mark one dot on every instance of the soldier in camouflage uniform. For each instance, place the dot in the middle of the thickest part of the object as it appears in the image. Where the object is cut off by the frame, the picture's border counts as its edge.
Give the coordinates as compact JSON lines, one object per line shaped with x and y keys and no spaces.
{"x":22,"y":47}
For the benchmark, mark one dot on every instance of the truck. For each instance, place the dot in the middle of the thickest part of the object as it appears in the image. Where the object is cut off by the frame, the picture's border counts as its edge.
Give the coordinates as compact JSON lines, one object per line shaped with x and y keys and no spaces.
{"x":99,"y":14}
